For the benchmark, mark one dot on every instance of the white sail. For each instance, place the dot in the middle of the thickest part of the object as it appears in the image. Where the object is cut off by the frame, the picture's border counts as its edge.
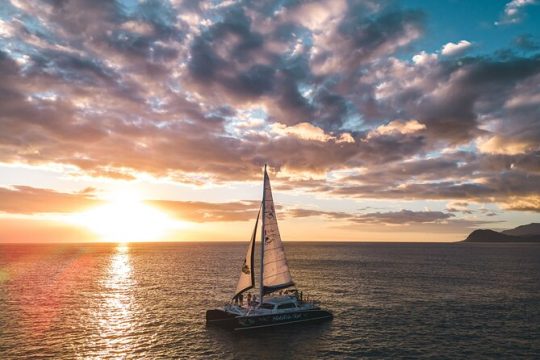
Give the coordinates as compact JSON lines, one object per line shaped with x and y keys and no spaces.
{"x":247,"y":275}
{"x":276,"y":273}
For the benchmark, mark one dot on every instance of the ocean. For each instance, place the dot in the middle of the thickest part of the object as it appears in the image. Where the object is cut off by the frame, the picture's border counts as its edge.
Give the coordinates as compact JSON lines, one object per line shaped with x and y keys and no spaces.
{"x":390,"y":300}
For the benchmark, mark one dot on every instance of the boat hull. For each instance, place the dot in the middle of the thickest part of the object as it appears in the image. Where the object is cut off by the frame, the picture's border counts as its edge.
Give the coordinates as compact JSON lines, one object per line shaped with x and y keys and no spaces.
{"x":235,"y":322}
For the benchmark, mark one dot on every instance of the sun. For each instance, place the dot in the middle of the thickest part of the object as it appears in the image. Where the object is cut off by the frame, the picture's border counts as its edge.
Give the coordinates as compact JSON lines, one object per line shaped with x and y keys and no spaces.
{"x":126,"y":218}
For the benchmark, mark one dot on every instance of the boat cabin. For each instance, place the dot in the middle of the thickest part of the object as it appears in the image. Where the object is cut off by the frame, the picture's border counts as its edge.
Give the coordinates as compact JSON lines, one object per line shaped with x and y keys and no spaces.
{"x":280,"y":303}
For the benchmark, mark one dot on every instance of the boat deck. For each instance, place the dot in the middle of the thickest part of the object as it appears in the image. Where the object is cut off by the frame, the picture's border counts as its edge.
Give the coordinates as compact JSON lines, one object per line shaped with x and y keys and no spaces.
{"x":277,"y":311}
{"x":271,"y":306}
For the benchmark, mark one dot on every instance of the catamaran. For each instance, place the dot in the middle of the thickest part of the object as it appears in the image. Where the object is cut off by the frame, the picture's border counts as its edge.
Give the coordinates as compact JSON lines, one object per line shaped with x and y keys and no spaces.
{"x":279,"y":302}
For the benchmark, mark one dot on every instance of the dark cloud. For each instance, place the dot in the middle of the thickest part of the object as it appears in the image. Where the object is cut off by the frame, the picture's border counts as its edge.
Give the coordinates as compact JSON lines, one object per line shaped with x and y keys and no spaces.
{"x":390,"y":218}
{"x":290,"y":106}
{"x":204,"y":63}
{"x":369,"y":35}
{"x":498,"y":186}
{"x":159,"y":13}
{"x":331,"y":109}
{"x":223,"y":55}
{"x":526,"y":42}
{"x":257,"y":80}
{"x":452,"y":98}
{"x":476,"y":86}
{"x":148,"y":47}
{"x":359,"y":39}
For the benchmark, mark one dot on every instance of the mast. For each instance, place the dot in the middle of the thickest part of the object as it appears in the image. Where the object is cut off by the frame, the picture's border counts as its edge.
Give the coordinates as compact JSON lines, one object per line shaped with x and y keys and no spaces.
{"x":261,"y":285}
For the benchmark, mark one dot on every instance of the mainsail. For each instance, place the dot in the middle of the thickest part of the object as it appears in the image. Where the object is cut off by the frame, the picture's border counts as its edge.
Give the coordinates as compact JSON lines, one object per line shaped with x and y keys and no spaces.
{"x":247,"y":276}
{"x":275,"y":269}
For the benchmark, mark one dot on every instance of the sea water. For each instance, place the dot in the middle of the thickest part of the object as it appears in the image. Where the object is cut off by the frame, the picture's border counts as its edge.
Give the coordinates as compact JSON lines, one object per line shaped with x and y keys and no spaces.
{"x":389,"y":300}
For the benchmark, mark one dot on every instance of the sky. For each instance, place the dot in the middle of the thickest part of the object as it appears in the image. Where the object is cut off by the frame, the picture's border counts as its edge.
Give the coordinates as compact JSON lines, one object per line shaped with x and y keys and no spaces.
{"x":379,"y":120}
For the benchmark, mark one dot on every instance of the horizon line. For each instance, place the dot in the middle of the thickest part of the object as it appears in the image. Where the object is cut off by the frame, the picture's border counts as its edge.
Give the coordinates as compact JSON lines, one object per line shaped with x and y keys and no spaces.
{"x":223,"y":241}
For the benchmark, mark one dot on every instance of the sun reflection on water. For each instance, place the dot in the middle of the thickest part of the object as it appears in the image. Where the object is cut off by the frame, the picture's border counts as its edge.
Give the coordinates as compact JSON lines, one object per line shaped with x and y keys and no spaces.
{"x":116,"y":310}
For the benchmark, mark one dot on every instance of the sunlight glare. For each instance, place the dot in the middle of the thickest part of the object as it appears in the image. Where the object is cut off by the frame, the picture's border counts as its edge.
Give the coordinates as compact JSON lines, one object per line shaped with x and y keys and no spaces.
{"x":125,"y":219}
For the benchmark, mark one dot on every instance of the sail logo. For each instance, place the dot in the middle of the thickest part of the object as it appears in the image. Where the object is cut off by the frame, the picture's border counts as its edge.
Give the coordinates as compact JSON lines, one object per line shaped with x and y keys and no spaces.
{"x":245,"y":268}
{"x":267,"y":238}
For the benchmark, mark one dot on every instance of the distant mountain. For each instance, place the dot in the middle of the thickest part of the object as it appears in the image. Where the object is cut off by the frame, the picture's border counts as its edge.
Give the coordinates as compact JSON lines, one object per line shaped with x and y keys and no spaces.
{"x":524,"y":230}
{"x":524,"y":233}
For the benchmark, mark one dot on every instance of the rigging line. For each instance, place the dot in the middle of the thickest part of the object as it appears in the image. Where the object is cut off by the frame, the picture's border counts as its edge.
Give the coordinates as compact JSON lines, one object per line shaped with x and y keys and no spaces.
{"x":273,"y":248}
{"x":275,"y":261}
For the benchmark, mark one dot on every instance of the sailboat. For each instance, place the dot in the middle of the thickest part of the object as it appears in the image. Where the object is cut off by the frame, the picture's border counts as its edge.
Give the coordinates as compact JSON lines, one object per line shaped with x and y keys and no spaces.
{"x":279,"y":302}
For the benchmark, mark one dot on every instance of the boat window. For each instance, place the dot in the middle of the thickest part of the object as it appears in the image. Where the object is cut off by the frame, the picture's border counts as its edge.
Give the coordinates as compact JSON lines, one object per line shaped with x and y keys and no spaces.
{"x":287,"y":306}
{"x":267,"y":306}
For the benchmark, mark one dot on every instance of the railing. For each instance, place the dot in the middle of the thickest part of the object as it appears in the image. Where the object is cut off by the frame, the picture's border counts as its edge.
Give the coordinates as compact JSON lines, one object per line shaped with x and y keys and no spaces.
{"x":302,"y":298}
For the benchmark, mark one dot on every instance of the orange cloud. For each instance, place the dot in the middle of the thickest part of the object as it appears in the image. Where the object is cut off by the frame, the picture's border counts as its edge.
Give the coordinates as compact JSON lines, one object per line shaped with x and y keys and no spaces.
{"x":30,"y":200}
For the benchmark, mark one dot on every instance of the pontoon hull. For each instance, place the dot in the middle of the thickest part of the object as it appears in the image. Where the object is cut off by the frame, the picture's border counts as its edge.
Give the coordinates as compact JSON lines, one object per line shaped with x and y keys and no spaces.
{"x":232,"y":321}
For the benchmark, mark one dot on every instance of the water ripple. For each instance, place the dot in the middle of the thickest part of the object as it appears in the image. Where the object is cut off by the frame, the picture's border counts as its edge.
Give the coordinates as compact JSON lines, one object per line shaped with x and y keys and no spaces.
{"x":389,"y":300}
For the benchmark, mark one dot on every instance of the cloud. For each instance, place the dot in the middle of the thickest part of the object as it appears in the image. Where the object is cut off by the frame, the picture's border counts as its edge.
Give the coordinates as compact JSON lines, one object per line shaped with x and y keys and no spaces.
{"x":300,"y":213}
{"x":403,"y":217}
{"x":526,"y":42}
{"x":317,"y":16}
{"x":523,"y":99}
{"x":424,"y":58}
{"x":530,"y":203}
{"x":30,"y":200}
{"x":357,"y":40}
{"x":307,"y":131}
{"x":397,"y":127}
{"x":458,"y":206}
{"x":166,"y":89}
{"x":451,"y":97}
{"x":500,"y":145}
{"x":198,"y":211}
{"x":453,"y":49}
{"x":390,"y":218}
{"x":504,"y":187}
{"x":513,"y":11}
